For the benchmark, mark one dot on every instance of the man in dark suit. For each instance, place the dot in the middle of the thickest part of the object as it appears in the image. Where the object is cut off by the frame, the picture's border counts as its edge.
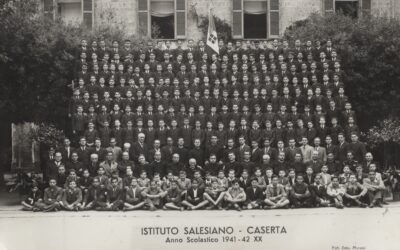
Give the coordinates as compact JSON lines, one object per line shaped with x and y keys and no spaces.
{"x":315,"y":163}
{"x":243,"y":147}
{"x":194,"y":197}
{"x":98,"y":149}
{"x":309,"y":177}
{"x":186,"y":133}
{"x":124,"y":163}
{"x":357,"y":147}
{"x":256,"y":152}
{"x":168,"y":150}
{"x":272,"y":152}
{"x":139,"y":148}
{"x":54,"y":165}
{"x":93,"y":164}
{"x":245,"y":180}
{"x":66,"y":150}
{"x":83,"y":151}
{"x":254,"y":196}
{"x":343,"y":148}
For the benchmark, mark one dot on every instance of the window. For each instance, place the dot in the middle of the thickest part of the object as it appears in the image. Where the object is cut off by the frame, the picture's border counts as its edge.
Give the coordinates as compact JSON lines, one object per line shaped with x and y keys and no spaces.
{"x":71,"y":11}
{"x":348,"y":8}
{"x":164,"y":19}
{"x":353,"y":8}
{"x":87,"y":13}
{"x":48,"y":9}
{"x":255,"y":19}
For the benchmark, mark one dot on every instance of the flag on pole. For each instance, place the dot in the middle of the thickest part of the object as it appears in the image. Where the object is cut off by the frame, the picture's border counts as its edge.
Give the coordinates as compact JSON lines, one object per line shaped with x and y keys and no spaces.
{"x":212,"y":39}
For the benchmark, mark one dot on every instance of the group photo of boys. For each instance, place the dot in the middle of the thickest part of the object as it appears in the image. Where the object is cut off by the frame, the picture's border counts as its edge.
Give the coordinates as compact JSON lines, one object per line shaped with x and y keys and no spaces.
{"x":149,"y":124}
{"x":253,"y":127}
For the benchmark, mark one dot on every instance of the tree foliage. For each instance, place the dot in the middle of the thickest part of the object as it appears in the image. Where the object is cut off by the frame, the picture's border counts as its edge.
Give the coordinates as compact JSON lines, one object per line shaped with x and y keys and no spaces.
{"x":37,"y":59}
{"x":369,"y":50}
{"x":387,"y":131}
{"x":48,"y":135}
{"x":224,"y":30}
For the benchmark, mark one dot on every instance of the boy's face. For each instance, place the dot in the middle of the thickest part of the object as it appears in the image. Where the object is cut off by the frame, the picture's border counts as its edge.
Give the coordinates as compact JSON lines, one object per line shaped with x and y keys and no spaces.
{"x":317,"y":179}
{"x":86,"y":174}
{"x":300,"y":179}
{"x":72,"y":184}
{"x":213,"y":159}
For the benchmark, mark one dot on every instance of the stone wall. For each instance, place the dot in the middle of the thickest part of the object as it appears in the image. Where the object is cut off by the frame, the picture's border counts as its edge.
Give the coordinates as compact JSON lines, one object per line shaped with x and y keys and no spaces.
{"x":222,"y":9}
{"x":292,"y":11}
{"x":121,"y":12}
{"x":383,"y":7}
{"x":124,"y":12}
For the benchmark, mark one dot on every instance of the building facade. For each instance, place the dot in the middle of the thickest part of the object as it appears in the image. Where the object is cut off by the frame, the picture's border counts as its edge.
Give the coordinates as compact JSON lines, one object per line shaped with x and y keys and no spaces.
{"x":179,"y":19}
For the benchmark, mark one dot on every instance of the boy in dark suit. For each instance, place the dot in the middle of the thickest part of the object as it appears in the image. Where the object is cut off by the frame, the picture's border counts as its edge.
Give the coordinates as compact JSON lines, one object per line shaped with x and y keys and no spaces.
{"x":318,"y":193}
{"x":173,"y":197}
{"x":72,"y":197}
{"x":214,"y":195}
{"x":133,"y":197}
{"x":275,"y":195}
{"x":51,"y":199}
{"x":254,"y":195}
{"x":235,"y":196}
{"x":194,"y":197}
{"x":93,"y":195}
{"x":115,"y":196}
{"x":300,"y":195}
{"x":153,"y":195}
{"x":34,"y":196}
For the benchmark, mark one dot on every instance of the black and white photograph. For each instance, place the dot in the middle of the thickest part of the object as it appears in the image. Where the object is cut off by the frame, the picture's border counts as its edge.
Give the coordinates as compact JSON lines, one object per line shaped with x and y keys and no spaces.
{"x":199,"y":124}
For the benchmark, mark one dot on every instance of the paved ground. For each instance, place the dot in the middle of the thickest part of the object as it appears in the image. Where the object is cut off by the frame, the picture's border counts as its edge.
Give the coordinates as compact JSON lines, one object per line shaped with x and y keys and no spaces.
{"x":322,"y":228}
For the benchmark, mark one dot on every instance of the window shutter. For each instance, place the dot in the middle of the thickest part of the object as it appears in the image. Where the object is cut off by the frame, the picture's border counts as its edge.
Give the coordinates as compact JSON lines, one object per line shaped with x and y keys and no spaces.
{"x":49,"y":9}
{"x":329,"y":6}
{"x":144,"y":17}
{"x":237,"y":19}
{"x":273,"y":18}
{"x":365,"y":7}
{"x":180,"y":19}
{"x":87,"y":13}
